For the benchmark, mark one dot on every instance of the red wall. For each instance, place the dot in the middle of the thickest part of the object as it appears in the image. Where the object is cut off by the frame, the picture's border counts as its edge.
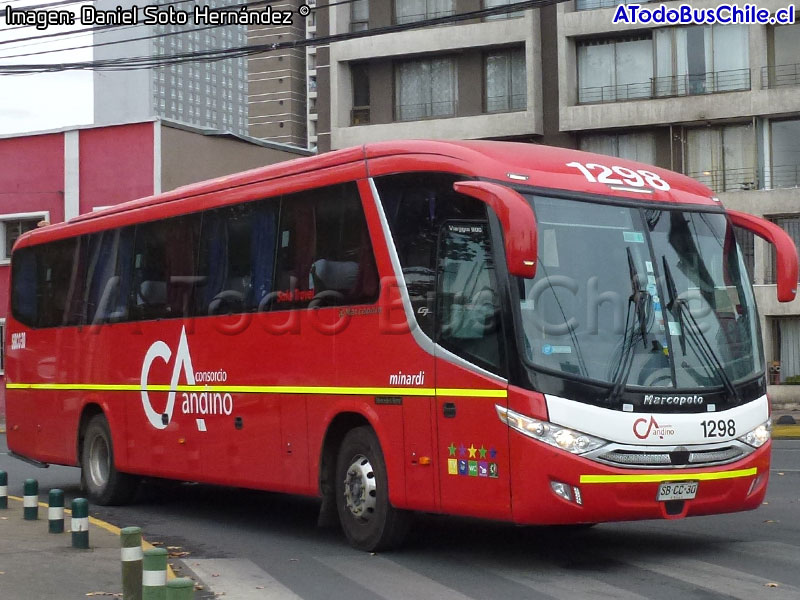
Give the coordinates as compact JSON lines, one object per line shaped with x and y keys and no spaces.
{"x":116,"y":164}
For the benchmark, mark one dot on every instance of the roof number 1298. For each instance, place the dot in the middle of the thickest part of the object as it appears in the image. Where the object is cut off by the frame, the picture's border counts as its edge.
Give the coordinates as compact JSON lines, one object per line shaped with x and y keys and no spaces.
{"x":719,"y":428}
{"x":620,"y":176}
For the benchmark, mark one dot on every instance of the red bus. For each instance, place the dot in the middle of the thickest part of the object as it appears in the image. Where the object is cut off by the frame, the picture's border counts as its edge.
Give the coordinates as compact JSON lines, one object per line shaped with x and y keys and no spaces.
{"x":507,"y":331}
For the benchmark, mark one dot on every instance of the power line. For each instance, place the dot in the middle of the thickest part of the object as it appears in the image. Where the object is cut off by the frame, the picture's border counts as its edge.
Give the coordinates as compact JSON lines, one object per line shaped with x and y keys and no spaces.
{"x":142,"y":62}
{"x":97,"y":28}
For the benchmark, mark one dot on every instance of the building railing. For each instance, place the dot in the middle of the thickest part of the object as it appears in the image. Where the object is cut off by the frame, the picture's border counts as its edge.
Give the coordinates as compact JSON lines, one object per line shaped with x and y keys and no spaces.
{"x":506,"y":102}
{"x":728,"y":180}
{"x":359,"y":115}
{"x":749,"y":178}
{"x":402,"y":19}
{"x":712,"y":82}
{"x":780,"y":75}
{"x":425,"y":110}
{"x":595,"y":4}
{"x":783,"y":176}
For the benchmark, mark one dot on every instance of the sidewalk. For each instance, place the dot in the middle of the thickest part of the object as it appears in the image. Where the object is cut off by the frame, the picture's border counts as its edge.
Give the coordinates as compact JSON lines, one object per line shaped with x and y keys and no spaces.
{"x":35,"y":564}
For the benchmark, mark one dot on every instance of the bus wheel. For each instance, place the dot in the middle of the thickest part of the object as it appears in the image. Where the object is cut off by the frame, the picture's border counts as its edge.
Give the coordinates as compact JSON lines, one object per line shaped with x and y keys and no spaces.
{"x":101,"y":480}
{"x":369,"y":521}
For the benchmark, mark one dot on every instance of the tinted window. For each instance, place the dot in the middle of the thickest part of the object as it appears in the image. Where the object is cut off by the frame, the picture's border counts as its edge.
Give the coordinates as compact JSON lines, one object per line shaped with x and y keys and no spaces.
{"x":416,"y":206}
{"x":108,"y":275}
{"x":165,"y":253}
{"x":469,"y":308}
{"x":324,"y":250}
{"x":237,"y":256}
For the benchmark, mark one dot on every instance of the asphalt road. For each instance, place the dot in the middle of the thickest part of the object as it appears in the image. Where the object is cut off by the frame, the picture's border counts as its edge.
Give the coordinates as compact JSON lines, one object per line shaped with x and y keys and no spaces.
{"x":239,"y":538}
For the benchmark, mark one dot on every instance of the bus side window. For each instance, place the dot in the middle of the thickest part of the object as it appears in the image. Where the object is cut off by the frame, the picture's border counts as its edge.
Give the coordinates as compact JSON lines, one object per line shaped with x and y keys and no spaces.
{"x":60,"y":283}
{"x":108,"y":275}
{"x":25,"y":286}
{"x":164,"y":267}
{"x":325,"y":255}
{"x":468,"y":306}
{"x":237,"y":252}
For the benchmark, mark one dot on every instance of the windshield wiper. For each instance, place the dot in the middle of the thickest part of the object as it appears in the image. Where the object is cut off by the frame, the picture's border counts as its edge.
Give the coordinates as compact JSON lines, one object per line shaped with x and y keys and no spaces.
{"x":637,"y":301}
{"x":704,"y":349}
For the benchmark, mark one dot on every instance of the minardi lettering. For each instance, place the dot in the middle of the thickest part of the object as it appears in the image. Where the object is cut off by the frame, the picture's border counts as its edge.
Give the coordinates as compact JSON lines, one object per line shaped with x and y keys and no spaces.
{"x":401,"y":378}
{"x":653,"y":400}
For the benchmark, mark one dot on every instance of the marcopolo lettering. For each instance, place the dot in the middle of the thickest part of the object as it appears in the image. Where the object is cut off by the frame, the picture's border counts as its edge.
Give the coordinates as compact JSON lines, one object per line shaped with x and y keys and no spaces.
{"x":654,"y":400}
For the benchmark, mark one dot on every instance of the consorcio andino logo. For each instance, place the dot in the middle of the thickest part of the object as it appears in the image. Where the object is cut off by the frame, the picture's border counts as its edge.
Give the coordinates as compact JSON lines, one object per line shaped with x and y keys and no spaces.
{"x":192,"y":402}
{"x":644,"y":429}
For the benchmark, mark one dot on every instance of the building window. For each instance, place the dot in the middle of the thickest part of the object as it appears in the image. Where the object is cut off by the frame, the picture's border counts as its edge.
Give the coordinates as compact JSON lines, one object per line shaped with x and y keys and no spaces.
{"x":408,"y":11}
{"x":701,"y":60}
{"x":13,"y":226}
{"x":359,"y":15}
{"x":723,"y":158}
{"x":610,"y":70}
{"x":669,"y":61}
{"x":502,"y":15}
{"x":360,"y":77}
{"x":786,"y":346}
{"x":791,"y":225}
{"x":592,"y":4}
{"x":640,"y":147}
{"x":784,"y":154}
{"x":784,"y":57}
{"x":425,"y":88}
{"x":506,"y":82}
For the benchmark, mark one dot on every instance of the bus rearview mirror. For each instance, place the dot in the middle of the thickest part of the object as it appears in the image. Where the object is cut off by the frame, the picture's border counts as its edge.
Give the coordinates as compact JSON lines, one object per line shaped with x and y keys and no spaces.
{"x":516,"y":218}
{"x":785,"y":250}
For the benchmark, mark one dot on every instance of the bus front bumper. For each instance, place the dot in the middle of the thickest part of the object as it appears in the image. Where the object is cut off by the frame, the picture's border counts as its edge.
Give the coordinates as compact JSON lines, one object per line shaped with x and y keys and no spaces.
{"x":551,"y":486}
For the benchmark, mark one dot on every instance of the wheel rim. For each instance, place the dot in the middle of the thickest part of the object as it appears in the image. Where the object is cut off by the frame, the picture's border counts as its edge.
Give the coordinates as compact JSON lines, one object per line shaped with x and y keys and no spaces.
{"x":360,"y":489}
{"x":99,"y":461}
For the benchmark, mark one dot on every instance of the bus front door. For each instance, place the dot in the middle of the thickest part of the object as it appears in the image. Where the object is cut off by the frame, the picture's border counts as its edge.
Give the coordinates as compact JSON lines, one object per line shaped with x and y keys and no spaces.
{"x":472,"y":441}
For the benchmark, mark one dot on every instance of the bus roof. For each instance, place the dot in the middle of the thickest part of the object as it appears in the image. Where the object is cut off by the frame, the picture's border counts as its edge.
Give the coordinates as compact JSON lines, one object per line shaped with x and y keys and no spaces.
{"x":510,"y":162}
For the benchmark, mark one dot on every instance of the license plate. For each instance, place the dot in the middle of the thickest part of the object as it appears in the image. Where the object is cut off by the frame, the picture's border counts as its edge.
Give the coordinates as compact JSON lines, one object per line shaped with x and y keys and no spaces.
{"x":678,"y":490}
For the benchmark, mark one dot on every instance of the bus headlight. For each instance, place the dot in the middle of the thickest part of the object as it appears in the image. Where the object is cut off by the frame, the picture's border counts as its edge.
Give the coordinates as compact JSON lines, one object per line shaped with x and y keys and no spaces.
{"x":564,"y":438}
{"x":758,"y":436}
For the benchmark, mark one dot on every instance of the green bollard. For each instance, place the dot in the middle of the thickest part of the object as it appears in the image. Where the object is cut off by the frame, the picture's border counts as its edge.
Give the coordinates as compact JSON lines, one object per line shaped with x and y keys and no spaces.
{"x":31,"y":500}
{"x":154,"y":574}
{"x":80,"y":523}
{"x":180,"y":588}
{"x":131,"y":541}
{"x":3,"y":490}
{"x":55,"y":511}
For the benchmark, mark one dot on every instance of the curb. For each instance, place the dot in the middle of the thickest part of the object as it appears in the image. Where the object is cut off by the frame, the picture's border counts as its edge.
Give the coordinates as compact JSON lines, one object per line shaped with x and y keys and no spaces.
{"x":107,"y":527}
{"x":786,"y":432}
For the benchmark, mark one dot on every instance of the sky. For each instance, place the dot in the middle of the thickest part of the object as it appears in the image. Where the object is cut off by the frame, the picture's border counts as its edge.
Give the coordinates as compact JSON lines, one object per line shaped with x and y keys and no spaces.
{"x":48,"y":100}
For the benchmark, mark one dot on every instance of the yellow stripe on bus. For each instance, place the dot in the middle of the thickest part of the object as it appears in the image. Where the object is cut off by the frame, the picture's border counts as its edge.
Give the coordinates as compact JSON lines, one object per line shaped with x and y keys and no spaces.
{"x":266,"y":389}
{"x":653,"y":478}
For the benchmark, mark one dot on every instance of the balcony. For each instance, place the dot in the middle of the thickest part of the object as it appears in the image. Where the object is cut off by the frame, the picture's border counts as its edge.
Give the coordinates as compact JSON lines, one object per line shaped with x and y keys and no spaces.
{"x":749,"y":178}
{"x":671,"y":86}
{"x":728,"y":180}
{"x":780,"y":75}
{"x":359,"y":115}
{"x":595,"y":4}
{"x":426,"y":110}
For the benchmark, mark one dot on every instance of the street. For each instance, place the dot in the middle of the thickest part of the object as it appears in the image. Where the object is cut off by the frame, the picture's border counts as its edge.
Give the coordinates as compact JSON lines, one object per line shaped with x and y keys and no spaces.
{"x":235,"y":536}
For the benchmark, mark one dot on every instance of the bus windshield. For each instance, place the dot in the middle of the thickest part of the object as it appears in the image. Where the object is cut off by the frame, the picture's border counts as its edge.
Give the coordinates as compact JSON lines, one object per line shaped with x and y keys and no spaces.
{"x":639,"y":297}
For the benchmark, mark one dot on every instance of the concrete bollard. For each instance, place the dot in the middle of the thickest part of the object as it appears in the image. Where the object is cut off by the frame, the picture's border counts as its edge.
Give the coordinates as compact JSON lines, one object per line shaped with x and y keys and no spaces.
{"x":180,"y":588}
{"x":154,"y":574}
{"x":30,"y":500}
{"x":55,"y":511}
{"x":3,"y":490}
{"x":131,"y":541}
{"x":80,"y":523}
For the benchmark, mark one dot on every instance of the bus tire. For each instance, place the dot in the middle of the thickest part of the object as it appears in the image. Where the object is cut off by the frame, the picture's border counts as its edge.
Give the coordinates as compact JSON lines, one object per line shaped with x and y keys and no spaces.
{"x":369,"y":521}
{"x":99,"y":477}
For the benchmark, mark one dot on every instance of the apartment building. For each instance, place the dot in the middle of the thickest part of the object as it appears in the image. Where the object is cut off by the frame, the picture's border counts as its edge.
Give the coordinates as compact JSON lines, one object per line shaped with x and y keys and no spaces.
{"x":207,"y":94}
{"x":719,"y":103}
{"x":276,"y":102}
